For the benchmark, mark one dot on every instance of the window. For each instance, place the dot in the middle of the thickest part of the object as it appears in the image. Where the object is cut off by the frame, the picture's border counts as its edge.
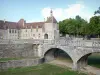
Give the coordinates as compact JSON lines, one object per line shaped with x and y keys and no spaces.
{"x":9,"y":30}
{"x":46,"y":36}
{"x":15,"y":30}
{"x":39,"y":35}
{"x":12,"y":30}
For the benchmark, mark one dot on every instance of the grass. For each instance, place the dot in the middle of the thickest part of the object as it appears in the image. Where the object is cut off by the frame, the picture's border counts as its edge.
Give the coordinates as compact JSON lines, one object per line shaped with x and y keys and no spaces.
{"x":43,"y":69}
{"x":7,"y":59}
{"x":94,"y":60}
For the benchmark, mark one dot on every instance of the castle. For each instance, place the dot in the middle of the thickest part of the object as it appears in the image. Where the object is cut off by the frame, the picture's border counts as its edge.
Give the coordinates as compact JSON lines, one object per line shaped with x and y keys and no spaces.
{"x":48,"y":29}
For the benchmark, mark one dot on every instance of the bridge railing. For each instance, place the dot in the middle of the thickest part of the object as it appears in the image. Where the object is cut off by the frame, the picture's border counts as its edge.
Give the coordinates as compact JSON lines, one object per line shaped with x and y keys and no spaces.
{"x":61,"y":42}
{"x":21,"y":41}
{"x":96,"y":44}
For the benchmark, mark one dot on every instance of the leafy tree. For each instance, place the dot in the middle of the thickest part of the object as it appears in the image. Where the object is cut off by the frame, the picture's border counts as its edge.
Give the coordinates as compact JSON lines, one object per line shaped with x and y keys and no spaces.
{"x":73,"y":26}
{"x":94,"y":25}
{"x":97,"y":12}
{"x":62,"y":28}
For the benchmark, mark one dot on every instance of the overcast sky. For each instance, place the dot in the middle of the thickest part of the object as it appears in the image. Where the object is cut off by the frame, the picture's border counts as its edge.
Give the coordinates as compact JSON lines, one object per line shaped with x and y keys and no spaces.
{"x":37,"y":10}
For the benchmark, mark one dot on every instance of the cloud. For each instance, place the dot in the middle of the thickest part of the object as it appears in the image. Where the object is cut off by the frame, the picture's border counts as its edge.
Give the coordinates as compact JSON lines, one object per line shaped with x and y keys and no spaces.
{"x":74,"y":9}
{"x":70,"y":12}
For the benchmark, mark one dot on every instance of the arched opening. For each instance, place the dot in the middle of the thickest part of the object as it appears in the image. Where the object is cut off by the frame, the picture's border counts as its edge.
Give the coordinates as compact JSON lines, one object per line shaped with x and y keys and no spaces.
{"x":57,"y":55}
{"x":91,"y":59}
{"x":46,"y":36}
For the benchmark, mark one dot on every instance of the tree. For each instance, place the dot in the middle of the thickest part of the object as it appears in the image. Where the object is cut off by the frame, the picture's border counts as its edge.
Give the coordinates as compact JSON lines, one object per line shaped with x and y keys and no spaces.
{"x":73,"y":26}
{"x":97,"y":11}
{"x":62,"y":28}
{"x":94,"y":25}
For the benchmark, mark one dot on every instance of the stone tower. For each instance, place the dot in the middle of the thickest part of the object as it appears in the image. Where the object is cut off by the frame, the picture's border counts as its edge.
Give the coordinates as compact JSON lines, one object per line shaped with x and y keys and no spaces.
{"x":51,"y":27}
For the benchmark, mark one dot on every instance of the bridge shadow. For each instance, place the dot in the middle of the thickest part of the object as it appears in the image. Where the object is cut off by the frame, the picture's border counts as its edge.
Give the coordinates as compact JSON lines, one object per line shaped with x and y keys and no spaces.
{"x":56,"y":54}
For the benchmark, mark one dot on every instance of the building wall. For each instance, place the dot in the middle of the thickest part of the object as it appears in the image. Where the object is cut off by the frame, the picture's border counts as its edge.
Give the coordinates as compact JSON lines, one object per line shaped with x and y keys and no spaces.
{"x":31,"y":33}
{"x":1,"y":33}
{"x":51,"y":29}
{"x":13,"y":34}
{"x":4,"y":34}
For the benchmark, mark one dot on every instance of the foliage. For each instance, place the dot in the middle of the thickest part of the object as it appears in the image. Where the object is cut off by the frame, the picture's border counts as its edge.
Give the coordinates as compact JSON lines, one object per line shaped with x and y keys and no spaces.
{"x":97,"y":11}
{"x":79,"y":26}
{"x":73,"y":26}
{"x":94,"y":25}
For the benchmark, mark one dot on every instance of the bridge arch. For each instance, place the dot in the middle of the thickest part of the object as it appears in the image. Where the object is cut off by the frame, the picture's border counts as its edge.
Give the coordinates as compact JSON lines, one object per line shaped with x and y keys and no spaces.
{"x":51,"y":54}
{"x":83,"y":60}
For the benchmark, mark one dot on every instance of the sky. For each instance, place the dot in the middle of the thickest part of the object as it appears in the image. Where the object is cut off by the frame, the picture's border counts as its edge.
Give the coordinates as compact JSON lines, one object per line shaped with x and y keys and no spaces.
{"x":39,"y":10}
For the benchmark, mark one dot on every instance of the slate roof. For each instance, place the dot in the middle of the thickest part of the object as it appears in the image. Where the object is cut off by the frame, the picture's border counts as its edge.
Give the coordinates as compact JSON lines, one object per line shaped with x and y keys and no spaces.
{"x":51,"y":19}
{"x":19,"y":24}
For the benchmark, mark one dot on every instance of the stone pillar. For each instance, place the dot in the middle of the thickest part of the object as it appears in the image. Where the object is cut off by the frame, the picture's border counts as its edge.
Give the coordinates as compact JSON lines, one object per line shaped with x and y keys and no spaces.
{"x":75,"y":66}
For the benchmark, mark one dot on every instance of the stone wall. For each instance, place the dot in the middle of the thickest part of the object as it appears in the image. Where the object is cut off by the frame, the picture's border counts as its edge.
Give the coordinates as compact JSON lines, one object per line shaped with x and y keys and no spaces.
{"x":18,"y":50}
{"x":19,"y":63}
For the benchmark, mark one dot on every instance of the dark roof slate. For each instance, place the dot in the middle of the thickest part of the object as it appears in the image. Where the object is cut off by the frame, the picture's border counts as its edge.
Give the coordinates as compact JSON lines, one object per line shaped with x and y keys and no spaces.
{"x":19,"y":24}
{"x":51,"y":19}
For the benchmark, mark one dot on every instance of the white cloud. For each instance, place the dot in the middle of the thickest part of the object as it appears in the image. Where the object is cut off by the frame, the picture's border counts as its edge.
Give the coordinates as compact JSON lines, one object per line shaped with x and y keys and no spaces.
{"x":70,"y":12}
{"x":74,"y":9}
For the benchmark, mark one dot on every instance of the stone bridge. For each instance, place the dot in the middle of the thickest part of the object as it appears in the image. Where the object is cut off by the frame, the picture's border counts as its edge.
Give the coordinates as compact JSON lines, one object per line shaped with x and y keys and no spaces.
{"x":77,"y":49}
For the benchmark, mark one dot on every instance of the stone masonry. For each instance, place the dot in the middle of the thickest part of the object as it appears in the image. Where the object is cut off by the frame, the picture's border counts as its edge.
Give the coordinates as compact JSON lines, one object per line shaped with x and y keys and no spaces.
{"x":77,"y":49}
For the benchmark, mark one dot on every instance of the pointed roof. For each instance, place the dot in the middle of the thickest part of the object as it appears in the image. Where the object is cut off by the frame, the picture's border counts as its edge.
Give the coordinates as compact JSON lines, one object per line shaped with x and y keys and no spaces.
{"x":51,"y":20}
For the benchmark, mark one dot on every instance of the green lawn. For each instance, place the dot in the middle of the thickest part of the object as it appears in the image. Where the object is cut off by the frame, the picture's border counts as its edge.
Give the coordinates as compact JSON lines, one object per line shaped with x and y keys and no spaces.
{"x":43,"y":69}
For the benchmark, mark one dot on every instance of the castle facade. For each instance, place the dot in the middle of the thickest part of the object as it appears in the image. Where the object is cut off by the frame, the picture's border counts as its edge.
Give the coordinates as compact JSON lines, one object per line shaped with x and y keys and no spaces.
{"x":48,"y":29}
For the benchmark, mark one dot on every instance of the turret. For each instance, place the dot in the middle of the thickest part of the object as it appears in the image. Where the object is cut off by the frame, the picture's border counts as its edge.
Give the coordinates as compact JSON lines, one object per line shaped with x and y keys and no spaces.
{"x":51,"y":19}
{"x":51,"y":26}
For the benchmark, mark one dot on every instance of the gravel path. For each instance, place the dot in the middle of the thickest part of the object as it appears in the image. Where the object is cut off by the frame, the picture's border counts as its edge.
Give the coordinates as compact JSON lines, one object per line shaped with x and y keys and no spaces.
{"x":89,"y":69}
